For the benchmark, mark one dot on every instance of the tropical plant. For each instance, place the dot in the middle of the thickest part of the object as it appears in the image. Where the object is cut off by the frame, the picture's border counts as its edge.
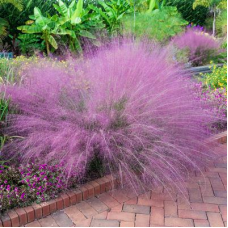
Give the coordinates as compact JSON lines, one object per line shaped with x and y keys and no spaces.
{"x":43,"y":26}
{"x":16,"y":3}
{"x":160,"y":24}
{"x":126,"y":105}
{"x":77,"y":22}
{"x":156,"y":4}
{"x":3,"y":22}
{"x":3,"y":28}
{"x":112,"y":13}
{"x":71,"y":24}
{"x":214,"y":5}
{"x":16,"y":18}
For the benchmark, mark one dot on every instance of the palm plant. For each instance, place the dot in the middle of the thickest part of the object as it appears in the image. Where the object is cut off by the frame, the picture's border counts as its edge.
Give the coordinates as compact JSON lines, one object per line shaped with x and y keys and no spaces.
{"x":3,"y":28}
{"x":112,"y":13}
{"x":3,"y":22}
{"x":16,"y":3}
{"x":43,"y":26}
{"x":76,"y":22}
{"x":72,"y":22}
{"x":17,"y":18}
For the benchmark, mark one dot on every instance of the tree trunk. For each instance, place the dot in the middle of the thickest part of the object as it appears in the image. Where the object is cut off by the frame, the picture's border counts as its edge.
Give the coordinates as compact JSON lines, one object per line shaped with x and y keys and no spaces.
{"x":214,"y":20}
{"x":134,"y":16}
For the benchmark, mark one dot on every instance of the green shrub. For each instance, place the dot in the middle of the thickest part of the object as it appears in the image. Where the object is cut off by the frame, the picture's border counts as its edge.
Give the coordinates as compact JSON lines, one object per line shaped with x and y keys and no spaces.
{"x":217,"y":79}
{"x":161,"y":24}
{"x":196,"y":16}
{"x":221,"y":24}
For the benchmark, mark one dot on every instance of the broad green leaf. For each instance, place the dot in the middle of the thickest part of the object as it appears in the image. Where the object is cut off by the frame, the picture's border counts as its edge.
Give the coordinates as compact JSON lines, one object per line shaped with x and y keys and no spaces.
{"x":52,"y":41}
{"x":78,"y":45}
{"x":63,"y":8}
{"x":77,"y":13}
{"x":37,"y":13}
{"x":87,"y":34}
{"x":152,"y":5}
{"x":62,"y":20}
{"x":96,"y":43}
{"x":3,"y":22}
{"x":76,"y":20}
{"x":29,"y":22}
{"x":105,"y":6}
{"x":32,"y":17}
{"x":66,"y":32}
{"x":72,"y":4}
{"x":57,"y":8}
{"x":30,"y":29}
{"x":120,"y":16}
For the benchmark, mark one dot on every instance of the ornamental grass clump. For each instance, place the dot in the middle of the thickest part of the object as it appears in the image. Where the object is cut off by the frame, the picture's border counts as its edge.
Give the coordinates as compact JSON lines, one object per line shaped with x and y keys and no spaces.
{"x":201,"y":46}
{"x":125,"y":106}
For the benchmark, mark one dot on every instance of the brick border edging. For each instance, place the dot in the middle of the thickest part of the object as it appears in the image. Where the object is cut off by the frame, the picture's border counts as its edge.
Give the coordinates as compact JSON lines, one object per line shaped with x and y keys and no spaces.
{"x":22,"y":216}
{"x":219,"y":138}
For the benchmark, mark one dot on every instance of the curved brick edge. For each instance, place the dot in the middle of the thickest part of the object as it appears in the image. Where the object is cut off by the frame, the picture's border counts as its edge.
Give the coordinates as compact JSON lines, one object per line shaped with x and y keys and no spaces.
{"x":22,"y":216}
{"x":219,"y":138}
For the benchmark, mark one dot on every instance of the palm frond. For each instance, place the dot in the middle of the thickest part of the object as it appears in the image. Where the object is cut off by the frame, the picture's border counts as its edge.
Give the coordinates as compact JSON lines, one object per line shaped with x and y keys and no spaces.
{"x":3,"y":28}
{"x":16,"y":3}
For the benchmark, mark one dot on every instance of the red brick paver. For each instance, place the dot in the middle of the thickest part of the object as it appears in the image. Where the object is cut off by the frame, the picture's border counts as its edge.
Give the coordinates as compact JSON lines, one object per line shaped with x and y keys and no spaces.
{"x":204,"y":206}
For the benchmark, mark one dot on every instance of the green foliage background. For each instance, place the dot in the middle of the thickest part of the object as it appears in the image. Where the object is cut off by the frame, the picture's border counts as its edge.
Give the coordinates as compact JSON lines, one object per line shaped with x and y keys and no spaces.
{"x":197,"y":16}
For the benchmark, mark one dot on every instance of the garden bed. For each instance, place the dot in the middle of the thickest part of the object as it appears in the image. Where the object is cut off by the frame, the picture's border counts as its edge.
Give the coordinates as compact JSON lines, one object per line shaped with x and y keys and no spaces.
{"x":22,"y":216}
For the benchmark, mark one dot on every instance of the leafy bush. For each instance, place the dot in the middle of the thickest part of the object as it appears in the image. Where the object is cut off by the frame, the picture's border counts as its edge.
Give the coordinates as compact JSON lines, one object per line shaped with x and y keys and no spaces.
{"x":71,"y":24}
{"x":29,"y":44}
{"x":217,"y":79}
{"x":30,"y":183}
{"x":16,"y":17}
{"x":221,"y":24}
{"x":112,"y":12}
{"x":125,"y":105}
{"x":196,"y":16}
{"x":200,"y":45}
{"x":160,"y":25}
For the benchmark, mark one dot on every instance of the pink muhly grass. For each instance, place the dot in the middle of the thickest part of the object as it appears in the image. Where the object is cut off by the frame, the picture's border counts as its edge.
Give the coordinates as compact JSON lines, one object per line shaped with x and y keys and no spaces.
{"x":126,"y":105}
{"x":200,"y":45}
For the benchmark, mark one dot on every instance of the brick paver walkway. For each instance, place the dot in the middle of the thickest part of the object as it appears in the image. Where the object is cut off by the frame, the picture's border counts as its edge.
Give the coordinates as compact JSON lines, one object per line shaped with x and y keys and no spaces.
{"x":207,"y":205}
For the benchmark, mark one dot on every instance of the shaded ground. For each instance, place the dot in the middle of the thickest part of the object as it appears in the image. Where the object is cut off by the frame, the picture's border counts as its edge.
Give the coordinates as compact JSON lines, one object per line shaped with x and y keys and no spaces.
{"x":207,"y":196}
